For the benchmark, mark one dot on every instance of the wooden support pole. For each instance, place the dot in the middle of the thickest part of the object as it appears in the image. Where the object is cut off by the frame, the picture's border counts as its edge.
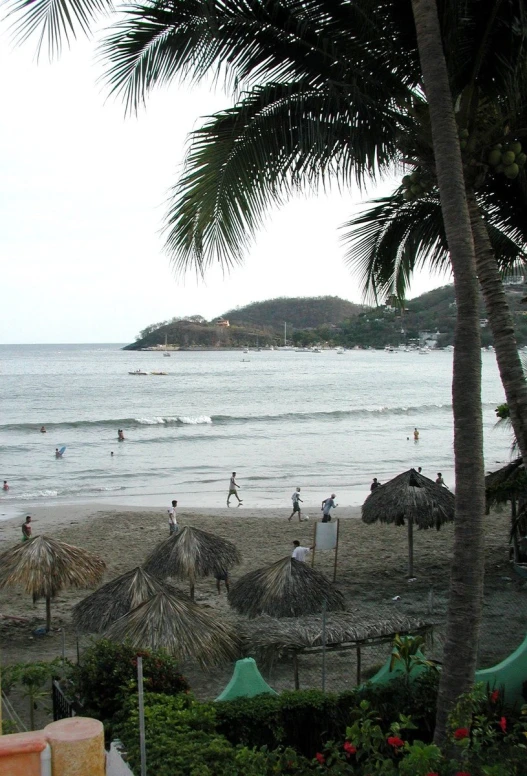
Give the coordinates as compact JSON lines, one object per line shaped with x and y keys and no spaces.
{"x":410,"y":546}
{"x":336,"y":552}
{"x":358,"y":664}
{"x":295,"y":671}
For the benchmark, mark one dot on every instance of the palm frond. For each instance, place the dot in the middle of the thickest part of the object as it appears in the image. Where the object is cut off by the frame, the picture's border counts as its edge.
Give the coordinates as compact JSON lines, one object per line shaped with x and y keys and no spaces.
{"x":277,"y":140}
{"x":179,"y":627}
{"x":287,"y":588}
{"x":54,"y":21}
{"x":410,"y":495}
{"x":191,"y":553}
{"x":45,"y":566}
{"x":115,"y":599}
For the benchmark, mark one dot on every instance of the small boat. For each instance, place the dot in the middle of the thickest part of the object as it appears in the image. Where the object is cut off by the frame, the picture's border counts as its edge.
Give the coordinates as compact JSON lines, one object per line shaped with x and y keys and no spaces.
{"x":138,"y":372}
{"x":158,"y":373}
{"x":166,"y":354}
{"x":340,"y":351}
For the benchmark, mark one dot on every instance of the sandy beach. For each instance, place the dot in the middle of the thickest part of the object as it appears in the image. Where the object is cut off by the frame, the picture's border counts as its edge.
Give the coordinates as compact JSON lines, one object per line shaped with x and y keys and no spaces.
{"x":372,"y":568}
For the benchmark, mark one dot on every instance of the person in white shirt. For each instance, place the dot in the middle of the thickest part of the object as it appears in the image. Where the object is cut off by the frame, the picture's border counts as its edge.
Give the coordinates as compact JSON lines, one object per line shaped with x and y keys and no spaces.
{"x":295,"y":498}
{"x":172,"y":518}
{"x":233,"y":490}
{"x":300,"y":553}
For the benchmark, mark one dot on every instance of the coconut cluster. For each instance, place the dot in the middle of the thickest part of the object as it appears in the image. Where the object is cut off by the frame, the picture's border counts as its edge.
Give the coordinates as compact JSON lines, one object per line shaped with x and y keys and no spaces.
{"x":508,"y":159}
{"x":415,"y":185}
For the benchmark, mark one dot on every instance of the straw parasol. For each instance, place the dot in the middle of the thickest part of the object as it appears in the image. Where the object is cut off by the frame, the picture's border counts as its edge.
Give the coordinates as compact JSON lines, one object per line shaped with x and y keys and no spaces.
{"x":510,"y":484}
{"x":180,"y":627}
{"x":45,"y":566}
{"x":412,"y":498}
{"x":115,"y":599}
{"x":288,"y":588}
{"x":190,"y":554}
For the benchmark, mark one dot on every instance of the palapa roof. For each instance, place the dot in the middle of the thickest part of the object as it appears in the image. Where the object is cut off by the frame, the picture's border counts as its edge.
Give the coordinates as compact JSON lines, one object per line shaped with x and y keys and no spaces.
{"x":191,"y":553}
{"x":115,"y":599}
{"x":410,"y":494}
{"x":508,"y":482}
{"x":268,"y":637}
{"x":288,"y":588}
{"x":44,"y":567}
{"x":180,"y":627}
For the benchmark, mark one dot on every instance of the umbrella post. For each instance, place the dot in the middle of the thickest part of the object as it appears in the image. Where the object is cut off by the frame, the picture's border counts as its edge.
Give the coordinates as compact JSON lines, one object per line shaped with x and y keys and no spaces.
{"x":324,"y":608}
{"x":142,"y":742}
{"x":410,"y":546}
{"x":48,"y":613}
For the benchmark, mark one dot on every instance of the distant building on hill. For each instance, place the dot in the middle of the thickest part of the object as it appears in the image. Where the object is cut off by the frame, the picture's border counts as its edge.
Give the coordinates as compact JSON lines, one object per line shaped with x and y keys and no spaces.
{"x":428,"y":338}
{"x":222,"y":322}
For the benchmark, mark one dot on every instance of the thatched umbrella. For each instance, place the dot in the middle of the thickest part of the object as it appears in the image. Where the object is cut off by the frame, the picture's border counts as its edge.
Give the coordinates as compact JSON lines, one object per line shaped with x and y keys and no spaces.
{"x":190,"y":554}
{"x":180,"y":627}
{"x":509,"y":484}
{"x":45,"y":566}
{"x":288,"y":588}
{"x":108,"y":603}
{"x":412,"y":498}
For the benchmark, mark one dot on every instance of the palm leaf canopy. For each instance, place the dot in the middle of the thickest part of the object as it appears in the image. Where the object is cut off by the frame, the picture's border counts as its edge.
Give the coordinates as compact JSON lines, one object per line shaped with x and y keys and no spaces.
{"x":410,"y":495}
{"x":115,"y":599}
{"x":44,"y":567}
{"x":192,"y":553}
{"x":180,"y":627}
{"x":288,"y":588}
{"x":507,"y":483}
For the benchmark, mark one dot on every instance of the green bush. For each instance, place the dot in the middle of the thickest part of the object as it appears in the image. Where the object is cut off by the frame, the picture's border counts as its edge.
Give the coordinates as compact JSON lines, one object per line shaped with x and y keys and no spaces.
{"x":107,"y":675}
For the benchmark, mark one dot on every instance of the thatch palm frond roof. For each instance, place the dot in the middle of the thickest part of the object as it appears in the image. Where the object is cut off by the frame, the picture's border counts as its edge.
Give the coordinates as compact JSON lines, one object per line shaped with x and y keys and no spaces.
{"x":410,"y":495}
{"x":288,"y":588}
{"x":44,"y":567}
{"x":180,"y":627}
{"x":115,"y":599}
{"x":269,"y":637}
{"x":191,"y":553}
{"x":508,"y":482}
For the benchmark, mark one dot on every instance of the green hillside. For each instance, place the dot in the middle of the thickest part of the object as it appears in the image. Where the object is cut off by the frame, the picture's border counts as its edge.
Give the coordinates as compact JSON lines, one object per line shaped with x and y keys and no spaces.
{"x":300,"y":313}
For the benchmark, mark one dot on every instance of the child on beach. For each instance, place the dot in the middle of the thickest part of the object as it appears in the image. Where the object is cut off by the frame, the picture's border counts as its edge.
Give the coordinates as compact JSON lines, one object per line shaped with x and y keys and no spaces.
{"x":172,"y":518}
{"x":5,"y":486}
{"x":300,"y":553}
{"x":221,"y":575}
{"x":233,"y":486}
{"x":26,"y":529}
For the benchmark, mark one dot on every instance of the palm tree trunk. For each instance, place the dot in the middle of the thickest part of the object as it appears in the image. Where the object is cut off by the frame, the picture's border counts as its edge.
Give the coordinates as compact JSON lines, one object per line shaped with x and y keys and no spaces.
{"x":507,"y":356}
{"x":48,"y":613}
{"x":466,"y":582}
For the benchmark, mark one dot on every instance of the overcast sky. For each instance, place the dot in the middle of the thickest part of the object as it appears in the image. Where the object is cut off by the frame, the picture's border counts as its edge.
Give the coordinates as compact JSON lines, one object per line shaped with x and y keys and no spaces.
{"x":82,"y":193}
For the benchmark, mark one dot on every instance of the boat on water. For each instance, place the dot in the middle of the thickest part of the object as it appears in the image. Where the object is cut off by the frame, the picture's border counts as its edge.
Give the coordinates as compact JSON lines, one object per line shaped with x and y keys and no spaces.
{"x":340,"y":351}
{"x":158,"y":373}
{"x":138,"y":372}
{"x":166,"y":354}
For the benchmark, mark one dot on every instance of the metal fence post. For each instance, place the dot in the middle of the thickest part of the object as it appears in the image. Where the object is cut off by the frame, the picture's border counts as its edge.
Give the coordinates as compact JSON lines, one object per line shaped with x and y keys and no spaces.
{"x":142,"y":742}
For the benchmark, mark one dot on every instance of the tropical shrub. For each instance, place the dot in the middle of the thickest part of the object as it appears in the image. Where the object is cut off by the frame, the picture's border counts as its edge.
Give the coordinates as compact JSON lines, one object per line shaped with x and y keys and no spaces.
{"x":107,"y":676}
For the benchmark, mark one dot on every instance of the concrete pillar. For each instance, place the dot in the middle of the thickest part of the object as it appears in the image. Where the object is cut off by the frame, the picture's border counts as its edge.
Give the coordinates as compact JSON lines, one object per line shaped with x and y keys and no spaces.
{"x":20,"y":753}
{"x":77,"y":747}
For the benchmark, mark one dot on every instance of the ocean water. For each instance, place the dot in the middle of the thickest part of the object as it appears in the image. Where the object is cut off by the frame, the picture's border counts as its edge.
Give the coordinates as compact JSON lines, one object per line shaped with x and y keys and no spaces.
{"x":323,"y":421}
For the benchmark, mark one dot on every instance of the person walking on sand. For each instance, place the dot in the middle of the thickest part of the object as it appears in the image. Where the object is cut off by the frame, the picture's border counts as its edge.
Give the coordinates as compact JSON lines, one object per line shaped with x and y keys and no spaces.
{"x":26,"y":529}
{"x":233,"y":490}
{"x":221,"y":575}
{"x":173,"y":527}
{"x":327,"y":505}
{"x":375,"y":484}
{"x":295,"y":498}
{"x":5,"y":486}
{"x":300,"y":553}
{"x":416,"y":435}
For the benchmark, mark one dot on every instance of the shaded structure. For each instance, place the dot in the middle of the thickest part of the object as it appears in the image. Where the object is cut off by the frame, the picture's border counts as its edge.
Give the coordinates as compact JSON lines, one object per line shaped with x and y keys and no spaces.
{"x":180,"y":627}
{"x":108,"y":603}
{"x":44,"y":567}
{"x":269,"y":639}
{"x":411,"y":499}
{"x":288,"y":588}
{"x":190,"y":554}
{"x":510,"y":484}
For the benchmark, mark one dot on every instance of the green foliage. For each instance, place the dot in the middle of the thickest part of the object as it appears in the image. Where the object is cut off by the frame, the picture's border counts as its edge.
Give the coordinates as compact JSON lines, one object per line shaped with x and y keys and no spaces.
{"x":33,"y":680}
{"x":107,"y":675}
{"x":408,"y":651}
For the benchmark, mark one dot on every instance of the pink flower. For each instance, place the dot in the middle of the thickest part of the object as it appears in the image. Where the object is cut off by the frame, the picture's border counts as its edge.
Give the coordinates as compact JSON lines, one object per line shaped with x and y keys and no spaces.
{"x":349,"y":748}
{"x":461,"y":733}
{"x":495,"y":694}
{"x":320,"y":758}
{"x":395,"y":741}
{"x":503,"y":724}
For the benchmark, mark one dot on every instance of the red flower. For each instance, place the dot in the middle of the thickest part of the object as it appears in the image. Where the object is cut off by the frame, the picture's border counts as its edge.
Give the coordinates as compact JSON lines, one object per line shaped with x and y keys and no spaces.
{"x":495,"y":694}
{"x":349,"y":748}
{"x":395,"y":741}
{"x":503,"y":724}
{"x":461,"y":733}
{"x":320,"y":758}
